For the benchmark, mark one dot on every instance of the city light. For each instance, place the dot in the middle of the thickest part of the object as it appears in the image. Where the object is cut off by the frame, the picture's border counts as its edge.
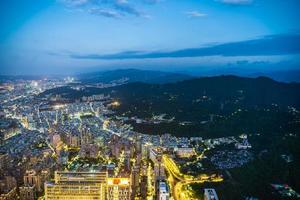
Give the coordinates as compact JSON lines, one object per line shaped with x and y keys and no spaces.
{"x":115,"y":103}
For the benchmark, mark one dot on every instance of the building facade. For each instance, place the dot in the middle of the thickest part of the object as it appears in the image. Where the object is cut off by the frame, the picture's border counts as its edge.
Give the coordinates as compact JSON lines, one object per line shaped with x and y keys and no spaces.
{"x":77,"y":186}
{"x":118,"y":189}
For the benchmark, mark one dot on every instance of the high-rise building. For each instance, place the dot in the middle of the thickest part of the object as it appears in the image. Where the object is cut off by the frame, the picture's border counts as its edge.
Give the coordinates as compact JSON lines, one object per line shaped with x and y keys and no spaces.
{"x":85,"y":136}
{"x":135,"y":179}
{"x":127,"y":161}
{"x":77,"y":186}
{"x":210,"y":194}
{"x":31,"y":178}
{"x":118,"y":189}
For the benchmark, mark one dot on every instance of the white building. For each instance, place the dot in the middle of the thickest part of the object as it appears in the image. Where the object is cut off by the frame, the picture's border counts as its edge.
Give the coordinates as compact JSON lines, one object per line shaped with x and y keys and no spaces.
{"x":210,"y":194}
{"x":163,"y":191}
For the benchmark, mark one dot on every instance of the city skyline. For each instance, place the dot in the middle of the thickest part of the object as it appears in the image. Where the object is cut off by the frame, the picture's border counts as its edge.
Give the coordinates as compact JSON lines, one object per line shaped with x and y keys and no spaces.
{"x":68,"y":36}
{"x":149,"y":99}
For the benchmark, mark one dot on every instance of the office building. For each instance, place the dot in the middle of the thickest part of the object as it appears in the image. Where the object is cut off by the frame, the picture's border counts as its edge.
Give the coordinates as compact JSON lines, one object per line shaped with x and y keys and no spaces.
{"x":77,"y":186}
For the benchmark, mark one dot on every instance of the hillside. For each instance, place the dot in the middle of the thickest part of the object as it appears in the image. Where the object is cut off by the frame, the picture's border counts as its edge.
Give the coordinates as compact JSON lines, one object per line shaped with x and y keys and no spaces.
{"x":213,"y":106}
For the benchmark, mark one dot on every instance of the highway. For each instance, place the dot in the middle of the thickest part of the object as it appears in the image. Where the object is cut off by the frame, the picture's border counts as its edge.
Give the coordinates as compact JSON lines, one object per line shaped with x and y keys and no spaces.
{"x":177,"y":180}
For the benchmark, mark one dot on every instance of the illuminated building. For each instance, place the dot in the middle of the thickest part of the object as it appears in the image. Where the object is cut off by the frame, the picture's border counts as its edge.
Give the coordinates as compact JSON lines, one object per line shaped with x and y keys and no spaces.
{"x":77,"y":186}
{"x":27,"y":193}
{"x":31,"y":178}
{"x":210,"y":194}
{"x":118,"y":189}
{"x":85,"y":136}
{"x":162,"y":191}
{"x":115,"y":104}
{"x":184,"y":151}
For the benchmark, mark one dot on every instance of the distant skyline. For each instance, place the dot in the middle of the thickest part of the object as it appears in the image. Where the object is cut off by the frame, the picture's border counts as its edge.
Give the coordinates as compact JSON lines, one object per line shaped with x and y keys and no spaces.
{"x":71,"y":36}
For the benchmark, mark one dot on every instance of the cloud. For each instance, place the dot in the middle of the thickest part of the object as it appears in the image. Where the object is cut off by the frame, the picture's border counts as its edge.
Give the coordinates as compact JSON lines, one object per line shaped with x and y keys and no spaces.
{"x":104,"y":12}
{"x":236,"y":2}
{"x":266,"y":46}
{"x":152,"y":1}
{"x":195,"y":14}
{"x":108,"y":8}
{"x":124,"y":7}
{"x":72,"y":3}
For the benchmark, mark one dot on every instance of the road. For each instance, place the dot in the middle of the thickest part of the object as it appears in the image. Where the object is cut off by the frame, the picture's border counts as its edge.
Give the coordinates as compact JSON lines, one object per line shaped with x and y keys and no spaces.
{"x":177,"y":180}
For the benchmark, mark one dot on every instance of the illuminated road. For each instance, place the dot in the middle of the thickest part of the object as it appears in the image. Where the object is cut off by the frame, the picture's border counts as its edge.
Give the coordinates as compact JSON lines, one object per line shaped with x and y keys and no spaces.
{"x":182,"y":179}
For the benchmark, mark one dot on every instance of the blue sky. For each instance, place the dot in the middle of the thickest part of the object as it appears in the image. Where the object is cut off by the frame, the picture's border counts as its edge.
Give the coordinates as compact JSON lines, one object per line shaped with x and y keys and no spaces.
{"x":68,"y":36}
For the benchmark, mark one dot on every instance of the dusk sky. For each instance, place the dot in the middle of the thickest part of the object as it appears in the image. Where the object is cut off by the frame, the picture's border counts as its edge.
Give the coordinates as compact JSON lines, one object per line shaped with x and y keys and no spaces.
{"x":68,"y":36}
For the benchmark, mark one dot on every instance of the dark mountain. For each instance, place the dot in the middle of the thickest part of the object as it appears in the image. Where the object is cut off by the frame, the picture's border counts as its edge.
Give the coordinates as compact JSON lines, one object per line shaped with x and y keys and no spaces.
{"x":214,"y":106}
{"x":282,"y":76}
{"x":259,"y":91}
{"x":209,"y":107}
{"x":133,"y":75}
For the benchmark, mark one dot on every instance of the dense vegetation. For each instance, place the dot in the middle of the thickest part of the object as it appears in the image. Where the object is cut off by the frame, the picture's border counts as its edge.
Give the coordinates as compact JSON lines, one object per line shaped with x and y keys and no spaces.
{"x":224,"y":105}
{"x":268,"y":167}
